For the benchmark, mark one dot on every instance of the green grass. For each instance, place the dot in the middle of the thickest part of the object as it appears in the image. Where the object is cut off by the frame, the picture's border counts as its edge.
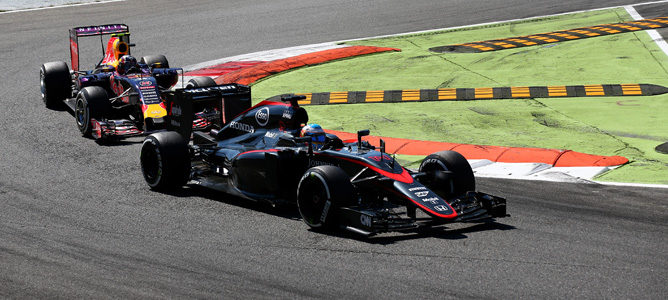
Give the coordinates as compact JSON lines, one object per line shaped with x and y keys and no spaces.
{"x":604,"y":125}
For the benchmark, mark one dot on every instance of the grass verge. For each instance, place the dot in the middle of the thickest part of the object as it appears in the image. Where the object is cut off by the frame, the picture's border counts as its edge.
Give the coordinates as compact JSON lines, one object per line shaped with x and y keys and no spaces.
{"x":627,"y":126}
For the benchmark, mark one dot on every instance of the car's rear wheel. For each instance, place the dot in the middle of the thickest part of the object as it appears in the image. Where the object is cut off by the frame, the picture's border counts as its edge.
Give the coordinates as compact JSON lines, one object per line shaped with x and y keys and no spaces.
{"x":165,"y":161}
{"x":322,"y":190}
{"x":92,"y":103}
{"x":165,"y":80}
{"x":55,"y":83}
{"x":159,"y":61}
{"x":460,"y":180}
{"x":200,"y":82}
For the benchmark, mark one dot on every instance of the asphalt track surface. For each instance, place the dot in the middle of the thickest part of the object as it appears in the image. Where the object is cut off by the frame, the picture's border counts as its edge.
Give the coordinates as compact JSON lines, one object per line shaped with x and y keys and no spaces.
{"x":77,"y":220}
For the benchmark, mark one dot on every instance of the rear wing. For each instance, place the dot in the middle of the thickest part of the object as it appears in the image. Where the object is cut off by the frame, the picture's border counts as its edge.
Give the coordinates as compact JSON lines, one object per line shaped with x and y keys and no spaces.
{"x":228,"y":101}
{"x":100,"y":30}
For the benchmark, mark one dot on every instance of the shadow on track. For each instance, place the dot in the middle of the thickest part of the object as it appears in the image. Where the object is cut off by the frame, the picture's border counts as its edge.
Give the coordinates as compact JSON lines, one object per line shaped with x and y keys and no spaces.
{"x":287,"y":211}
{"x":290,"y":211}
{"x":440,"y":232}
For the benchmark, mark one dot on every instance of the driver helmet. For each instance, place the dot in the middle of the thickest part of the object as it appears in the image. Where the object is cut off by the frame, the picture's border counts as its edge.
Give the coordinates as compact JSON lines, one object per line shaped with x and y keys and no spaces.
{"x":126,"y":63}
{"x":317,"y":134}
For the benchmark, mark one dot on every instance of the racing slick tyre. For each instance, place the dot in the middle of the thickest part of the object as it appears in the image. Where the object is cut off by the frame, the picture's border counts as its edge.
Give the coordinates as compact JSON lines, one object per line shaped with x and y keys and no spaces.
{"x":55,"y":83}
{"x":322,"y":190}
{"x":165,"y":161}
{"x":153,"y":59}
{"x":200,"y":82}
{"x":92,"y":103}
{"x":165,"y":81}
{"x":460,"y":181}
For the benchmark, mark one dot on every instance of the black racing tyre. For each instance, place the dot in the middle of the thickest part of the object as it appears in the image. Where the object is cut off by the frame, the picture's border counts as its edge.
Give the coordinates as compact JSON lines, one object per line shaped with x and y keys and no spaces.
{"x":152,"y":59}
{"x":322,"y":190}
{"x":165,"y":161}
{"x":92,"y":103}
{"x":200,"y":82}
{"x":55,"y":83}
{"x":462,"y":177}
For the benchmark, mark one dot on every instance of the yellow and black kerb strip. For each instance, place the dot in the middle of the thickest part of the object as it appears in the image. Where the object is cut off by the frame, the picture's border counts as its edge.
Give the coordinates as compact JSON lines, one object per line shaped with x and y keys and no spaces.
{"x":553,"y":37}
{"x":488,"y":93}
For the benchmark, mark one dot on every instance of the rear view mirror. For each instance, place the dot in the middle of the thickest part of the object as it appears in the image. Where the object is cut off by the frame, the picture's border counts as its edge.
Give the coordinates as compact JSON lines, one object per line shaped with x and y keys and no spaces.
{"x":360,"y":134}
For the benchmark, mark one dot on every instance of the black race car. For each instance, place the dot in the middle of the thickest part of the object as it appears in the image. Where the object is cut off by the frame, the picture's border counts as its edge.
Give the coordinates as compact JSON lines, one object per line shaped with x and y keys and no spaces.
{"x":258,"y":155}
{"x":120,"y":97}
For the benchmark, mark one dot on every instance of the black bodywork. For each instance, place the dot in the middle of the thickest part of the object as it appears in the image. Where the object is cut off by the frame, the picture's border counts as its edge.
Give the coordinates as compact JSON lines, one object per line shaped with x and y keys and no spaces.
{"x":258,"y":156}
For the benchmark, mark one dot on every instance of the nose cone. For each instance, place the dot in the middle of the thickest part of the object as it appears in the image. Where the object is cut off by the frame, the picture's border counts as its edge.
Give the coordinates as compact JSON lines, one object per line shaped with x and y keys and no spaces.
{"x":154,"y":111}
{"x":425,"y":199}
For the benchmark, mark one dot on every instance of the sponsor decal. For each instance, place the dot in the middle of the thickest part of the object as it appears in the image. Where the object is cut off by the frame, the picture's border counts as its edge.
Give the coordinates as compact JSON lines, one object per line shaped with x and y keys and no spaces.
{"x":419,"y":188}
{"x":206,"y":89}
{"x":377,"y":157}
{"x":115,"y":85}
{"x":441,"y":207}
{"x":74,"y":51}
{"x":422,"y":194}
{"x":365,"y":220}
{"x":433,"y":161}
{"x":145,"y":83}
{"x":287,"y":114}
{"x":262,"y":116}
{"x":271,"y":134}
{"x":315,"y":163}
{"x":154,"y":111}
{"x":241,"y":126}
{"x":176,"y":110}
{"x":432,"y":200}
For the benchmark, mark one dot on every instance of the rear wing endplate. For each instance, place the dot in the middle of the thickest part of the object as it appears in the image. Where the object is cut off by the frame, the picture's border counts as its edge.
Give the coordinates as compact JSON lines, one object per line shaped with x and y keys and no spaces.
{"x":228,"y":100}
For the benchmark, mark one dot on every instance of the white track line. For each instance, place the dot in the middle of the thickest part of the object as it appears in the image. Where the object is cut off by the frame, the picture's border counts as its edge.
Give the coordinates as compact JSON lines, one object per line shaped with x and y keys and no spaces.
{"x":658,"y":39}
{"x":58,"y":6}
{"x":267,"y":55}
{"x":297,"y":50}
{"x":506,"y":21}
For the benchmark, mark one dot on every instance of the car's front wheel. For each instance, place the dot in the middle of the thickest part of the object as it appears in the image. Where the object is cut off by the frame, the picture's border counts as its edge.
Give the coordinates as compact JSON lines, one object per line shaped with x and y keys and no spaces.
{"x":322,"y":190}
{"x":92,"y":103}
{"x":55,"y":83}
{"x":457,"y":179}
{"x":165,"y":160}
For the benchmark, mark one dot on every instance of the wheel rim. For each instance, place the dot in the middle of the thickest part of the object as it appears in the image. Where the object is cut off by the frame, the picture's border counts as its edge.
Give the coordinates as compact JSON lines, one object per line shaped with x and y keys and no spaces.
{"x":81,"y":112}
{"x":431,"y":182}
{"x":435,"y":166}
{"x":312,"y":200}
{"x":41,"y":84}
{"x":150,"y":163}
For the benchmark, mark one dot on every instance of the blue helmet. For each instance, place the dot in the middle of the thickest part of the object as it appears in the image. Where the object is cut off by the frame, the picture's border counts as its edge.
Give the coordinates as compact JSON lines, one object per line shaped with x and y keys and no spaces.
{"x":317,"y":134}
{"x":127,"y":63}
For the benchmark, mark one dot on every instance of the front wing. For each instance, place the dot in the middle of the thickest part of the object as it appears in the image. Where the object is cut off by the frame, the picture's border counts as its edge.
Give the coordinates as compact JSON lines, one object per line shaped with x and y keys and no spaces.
{"x":470,"y":207}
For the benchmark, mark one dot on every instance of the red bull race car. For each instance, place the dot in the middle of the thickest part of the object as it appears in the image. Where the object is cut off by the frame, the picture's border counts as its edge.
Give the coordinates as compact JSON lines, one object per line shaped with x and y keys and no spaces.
{"x":121,"y":96}
{"x":266,"y":153}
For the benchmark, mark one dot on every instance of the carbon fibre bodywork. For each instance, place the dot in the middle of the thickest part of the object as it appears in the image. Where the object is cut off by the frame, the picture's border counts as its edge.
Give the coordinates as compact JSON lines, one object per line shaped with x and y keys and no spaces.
{"x":258,"y":155}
